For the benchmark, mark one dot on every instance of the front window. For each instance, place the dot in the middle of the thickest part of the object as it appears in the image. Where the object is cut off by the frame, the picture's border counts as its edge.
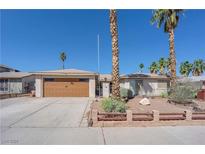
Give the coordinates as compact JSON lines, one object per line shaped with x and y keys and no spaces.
{"x":3,"y":84}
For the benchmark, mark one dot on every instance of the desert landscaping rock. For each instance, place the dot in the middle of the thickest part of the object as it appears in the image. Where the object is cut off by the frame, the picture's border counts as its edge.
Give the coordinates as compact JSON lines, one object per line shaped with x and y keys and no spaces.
{"x":144,"y":101}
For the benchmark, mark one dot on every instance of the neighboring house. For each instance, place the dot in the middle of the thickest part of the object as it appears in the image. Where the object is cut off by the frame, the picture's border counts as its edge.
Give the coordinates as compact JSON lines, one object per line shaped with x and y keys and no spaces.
{"x":195,"y":81}
{"x":65,"y":83}
{"x":16,"y":82}
{"x":4,"y":68}
{"x":138,"y":84}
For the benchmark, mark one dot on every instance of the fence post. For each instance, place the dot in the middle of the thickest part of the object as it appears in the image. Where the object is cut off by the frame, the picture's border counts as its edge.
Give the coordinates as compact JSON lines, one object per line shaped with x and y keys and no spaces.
{"x":188,"y":115}
{"x":155,"y":115}
{"x":129,"y":115}
{"x":95,"y":116}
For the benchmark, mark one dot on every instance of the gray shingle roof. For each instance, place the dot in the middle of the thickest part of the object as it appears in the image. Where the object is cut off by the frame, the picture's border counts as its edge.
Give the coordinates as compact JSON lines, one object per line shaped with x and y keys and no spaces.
{"x":7,"y":67}
{"x":191,"y":79}
{"x":14,"y":74}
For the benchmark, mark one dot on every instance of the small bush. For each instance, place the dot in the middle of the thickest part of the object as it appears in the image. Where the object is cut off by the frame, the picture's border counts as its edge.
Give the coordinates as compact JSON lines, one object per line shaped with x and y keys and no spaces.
{"x":164,"y":95}
{"x":107,"y":104}
{"x":113,"y":105}
{"x":182,"y":94}
{"x":125,"y":93}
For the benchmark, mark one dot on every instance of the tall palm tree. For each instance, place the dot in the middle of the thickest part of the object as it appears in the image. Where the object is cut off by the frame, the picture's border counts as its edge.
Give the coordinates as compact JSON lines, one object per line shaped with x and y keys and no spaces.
{"x":154,"y":68}
{"x":198,"y":67}
{"x":185,"y":68}
{"x":63,"y":57}
{"x":162,"y":65}
{"x":168,"y":61}
{"x":115,"y":55}
{"x":170,"y":19}
{"x":141,"y":66}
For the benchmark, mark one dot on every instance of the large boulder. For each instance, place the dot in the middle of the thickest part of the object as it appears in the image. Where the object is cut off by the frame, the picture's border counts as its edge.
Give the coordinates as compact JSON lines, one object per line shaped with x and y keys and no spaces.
{"x":144,"y":101}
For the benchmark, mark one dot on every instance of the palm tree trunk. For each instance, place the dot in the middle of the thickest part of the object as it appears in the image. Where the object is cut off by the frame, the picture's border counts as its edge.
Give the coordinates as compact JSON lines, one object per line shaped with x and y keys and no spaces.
{"x":172,"y":58}
{"x":115,"y":55}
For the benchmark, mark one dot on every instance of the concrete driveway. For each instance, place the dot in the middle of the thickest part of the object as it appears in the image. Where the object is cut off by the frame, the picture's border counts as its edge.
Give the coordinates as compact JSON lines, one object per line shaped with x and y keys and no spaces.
{"x":62,"y":121}
{"x":27,"y":120}
{"x":42,"y":112}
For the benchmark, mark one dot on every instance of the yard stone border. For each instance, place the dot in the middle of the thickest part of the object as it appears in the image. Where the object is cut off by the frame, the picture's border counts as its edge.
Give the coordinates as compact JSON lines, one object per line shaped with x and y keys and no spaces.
{"x":129,"y":122}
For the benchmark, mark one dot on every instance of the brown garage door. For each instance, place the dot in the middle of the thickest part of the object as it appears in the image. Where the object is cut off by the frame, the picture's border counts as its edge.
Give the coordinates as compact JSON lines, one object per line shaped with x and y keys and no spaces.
{"x":66,"y":87}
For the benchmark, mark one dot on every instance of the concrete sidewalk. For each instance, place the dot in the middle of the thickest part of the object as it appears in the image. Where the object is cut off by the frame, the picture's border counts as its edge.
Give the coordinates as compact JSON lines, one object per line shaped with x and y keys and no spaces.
{"x":150,"y":135}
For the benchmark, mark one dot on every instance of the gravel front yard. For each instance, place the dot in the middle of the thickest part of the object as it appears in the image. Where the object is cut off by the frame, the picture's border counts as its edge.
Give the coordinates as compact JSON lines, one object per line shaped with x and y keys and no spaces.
{"x":159,"y":104}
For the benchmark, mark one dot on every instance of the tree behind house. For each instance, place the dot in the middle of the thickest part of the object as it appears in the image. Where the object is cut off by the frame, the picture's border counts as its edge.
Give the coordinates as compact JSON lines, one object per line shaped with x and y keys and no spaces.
{"x":154,"y":68}
{"x":63,"y":58}
{"x":185,"y":68}
{"x":198,"y":67}
{"x":141,"y":66}
{"x":162,"y":65}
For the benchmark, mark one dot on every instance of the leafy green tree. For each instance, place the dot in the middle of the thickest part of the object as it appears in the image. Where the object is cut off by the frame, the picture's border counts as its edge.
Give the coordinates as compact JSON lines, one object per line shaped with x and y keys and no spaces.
{"x":185,"y":68}
{"x":198,"y":67}
{"x":170,"y":19}
{"x":63,"y":58}
{"x":154,"y":68}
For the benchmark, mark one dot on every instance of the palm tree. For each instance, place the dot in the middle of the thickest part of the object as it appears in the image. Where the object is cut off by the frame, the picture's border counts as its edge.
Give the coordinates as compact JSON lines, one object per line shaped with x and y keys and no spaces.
{"x":185,"y":68}
{"x":168,"y":63}
{"x":198,"y":67}
{"x":170,"y":19}
{"x":162,"y":65}
{"x":115,"y":55}
{"x":154,"y":68}
{"x":63,"y":57}
{"x":141,"y":66}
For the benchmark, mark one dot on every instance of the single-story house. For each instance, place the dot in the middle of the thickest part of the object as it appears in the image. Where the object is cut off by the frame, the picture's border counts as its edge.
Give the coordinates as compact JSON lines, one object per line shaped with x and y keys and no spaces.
{"x":195,"y":81}
{"x":138,"y":83}
{"x":16,"y":82}
{"x":65,"y":83}
{"x":4,"y":68}
{"x":80,"y":83}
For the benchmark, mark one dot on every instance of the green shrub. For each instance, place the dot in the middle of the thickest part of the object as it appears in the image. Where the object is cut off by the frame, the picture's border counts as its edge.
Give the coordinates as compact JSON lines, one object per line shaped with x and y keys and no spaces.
{"x":113,"y":105}
{"x":164,"y":95}
{"x":125,"y":93}
{"x":107,"y":104}
{"x":182,"y":94}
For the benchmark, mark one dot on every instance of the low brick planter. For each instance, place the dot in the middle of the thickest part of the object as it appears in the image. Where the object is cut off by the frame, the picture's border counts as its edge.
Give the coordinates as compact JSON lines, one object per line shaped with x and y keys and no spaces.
{"x":5,"y":96}
{"x":154,"y":118}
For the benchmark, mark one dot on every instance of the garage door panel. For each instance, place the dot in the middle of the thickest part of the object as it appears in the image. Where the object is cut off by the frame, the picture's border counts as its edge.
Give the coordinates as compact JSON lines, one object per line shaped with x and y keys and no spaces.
{"x":60,"y":88}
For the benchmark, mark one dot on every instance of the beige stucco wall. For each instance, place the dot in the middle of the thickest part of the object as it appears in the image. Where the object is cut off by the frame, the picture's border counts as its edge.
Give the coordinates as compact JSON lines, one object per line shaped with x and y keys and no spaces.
{"x":148,"y":87}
